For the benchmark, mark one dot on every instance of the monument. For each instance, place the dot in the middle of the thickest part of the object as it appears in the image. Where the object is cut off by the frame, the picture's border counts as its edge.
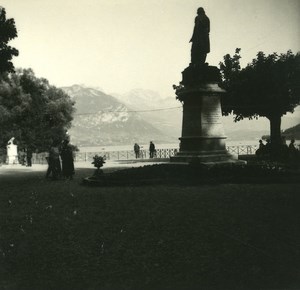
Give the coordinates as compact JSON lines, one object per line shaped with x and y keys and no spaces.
{"x":12,"y":152}
{"x":202,"y":138}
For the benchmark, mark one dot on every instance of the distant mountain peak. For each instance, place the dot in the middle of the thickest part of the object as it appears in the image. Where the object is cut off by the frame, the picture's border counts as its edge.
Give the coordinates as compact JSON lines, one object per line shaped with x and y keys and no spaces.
{"x":101,"y":119}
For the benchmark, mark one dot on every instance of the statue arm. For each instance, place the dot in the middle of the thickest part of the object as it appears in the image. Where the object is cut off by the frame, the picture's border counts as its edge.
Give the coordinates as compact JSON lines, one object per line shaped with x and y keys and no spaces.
{"x":208,"y":25}
{"x":192,"y":38}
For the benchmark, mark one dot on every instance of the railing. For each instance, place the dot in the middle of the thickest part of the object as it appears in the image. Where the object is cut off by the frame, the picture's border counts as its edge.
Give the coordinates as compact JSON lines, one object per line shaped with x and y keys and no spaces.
{"x":40,"y":158}
{"x":124,"y":155}
{"x":242,"y":149}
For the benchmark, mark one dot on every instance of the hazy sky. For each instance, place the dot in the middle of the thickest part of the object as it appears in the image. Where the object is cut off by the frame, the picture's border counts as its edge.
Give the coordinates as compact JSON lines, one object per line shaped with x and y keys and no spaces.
{"x":119,"y":45}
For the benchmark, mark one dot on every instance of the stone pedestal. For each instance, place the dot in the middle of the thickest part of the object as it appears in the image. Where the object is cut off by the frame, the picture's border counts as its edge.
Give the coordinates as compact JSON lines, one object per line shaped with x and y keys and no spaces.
{"x":202,"y":138}
{"x":12,"y":152}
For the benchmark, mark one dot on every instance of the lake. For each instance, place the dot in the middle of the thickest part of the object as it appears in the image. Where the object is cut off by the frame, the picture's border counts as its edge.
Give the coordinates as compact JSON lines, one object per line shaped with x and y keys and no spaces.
{"x":167,"y":145}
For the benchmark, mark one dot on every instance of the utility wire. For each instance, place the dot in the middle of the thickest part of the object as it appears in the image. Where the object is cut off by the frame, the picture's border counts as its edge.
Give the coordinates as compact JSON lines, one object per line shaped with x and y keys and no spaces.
{"x":129,"y":111}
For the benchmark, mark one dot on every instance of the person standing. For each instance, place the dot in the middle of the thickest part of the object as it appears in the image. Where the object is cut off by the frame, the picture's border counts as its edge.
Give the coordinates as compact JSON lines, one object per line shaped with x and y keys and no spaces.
{"x":22,"y":156}
{"x":151,"y":149}
{"x":200,"y":38}
{"x":136,"y":149}
{"x":67,"y":160}
{"x":29,"y":156}
{"x":268,"y":148}
{"x":293,"y":155}
{"x":292,"y":147}
{"x":261,"y":149}
{"x":54,"y":166}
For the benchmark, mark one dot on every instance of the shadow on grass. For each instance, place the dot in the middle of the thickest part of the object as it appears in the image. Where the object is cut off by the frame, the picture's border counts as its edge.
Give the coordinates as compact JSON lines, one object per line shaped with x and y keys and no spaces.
{"x":254,"y":172}
{"x":59,"y":235}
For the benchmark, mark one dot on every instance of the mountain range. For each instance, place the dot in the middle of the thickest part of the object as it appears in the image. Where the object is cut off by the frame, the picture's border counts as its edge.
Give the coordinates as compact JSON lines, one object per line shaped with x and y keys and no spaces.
{"x":163,"y":113}
{"x":292,"y":133}
{"x":101,"y":119}
{"x":140,"y":116}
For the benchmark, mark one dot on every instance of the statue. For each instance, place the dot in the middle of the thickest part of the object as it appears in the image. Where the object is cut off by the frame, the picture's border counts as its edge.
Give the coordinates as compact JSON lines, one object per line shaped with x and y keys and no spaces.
{"x":200,"y":38}
{"x":202,"y":141}
{"x":12,"y":151}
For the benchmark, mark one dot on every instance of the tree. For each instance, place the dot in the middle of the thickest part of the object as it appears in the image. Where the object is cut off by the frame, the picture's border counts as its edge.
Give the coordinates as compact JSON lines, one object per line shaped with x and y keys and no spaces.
{"x":8,"y":32}
{"x":34,"y":112}
{"x":266,"y":87}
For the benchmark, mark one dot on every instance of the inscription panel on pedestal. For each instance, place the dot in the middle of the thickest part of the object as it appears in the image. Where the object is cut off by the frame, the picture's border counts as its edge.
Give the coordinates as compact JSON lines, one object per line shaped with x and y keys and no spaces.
{"x":211,"y":117}
{"x":211,"y":110}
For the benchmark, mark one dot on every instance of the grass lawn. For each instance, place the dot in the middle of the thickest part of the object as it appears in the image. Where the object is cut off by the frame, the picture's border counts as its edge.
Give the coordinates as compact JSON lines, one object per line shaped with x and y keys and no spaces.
{"x":63,"y":235}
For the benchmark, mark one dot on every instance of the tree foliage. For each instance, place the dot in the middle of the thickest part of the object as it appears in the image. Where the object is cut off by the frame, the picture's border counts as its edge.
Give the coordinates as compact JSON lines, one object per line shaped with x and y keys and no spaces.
{"x":266,"y":87}
{"x":33,"y":111}
{"x":8,"y":32}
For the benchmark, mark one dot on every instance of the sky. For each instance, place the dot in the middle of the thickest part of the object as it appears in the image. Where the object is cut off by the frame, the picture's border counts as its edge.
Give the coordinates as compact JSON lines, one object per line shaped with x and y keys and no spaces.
{"x":120,"y":45}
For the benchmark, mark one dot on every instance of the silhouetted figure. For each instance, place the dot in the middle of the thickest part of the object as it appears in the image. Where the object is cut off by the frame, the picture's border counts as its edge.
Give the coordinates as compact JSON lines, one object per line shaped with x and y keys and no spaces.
{"x":136,"y":149}
{"x":151,"y":149}
{"x":67,"y":160}
{"x":54,"y":166}
{"x":261,"y":149}
{"x":268,"y":148}
{"x":22,"y":157}
{"x":293,"y":155}
{"x":200,"y":38}
{"x":284,"y":150}
{"x":2,"y":155}
{"x":292,"y":147}
{"x":29,"y":156}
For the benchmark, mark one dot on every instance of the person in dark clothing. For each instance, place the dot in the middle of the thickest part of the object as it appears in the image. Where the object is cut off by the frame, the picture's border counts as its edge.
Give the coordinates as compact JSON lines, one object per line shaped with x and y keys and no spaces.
{"x":293,"y":155}
{"x":67,"y":160}
{"x":54,"y":166}
{"x":49,"y":169}
{"x":22,"y":156}
{"x":261,"y":149}
{"x":29,"y":156}
{"x":2,"y":155}
{"x":151,"y":149}
{"x":292,"y":147}
{"x":268,"y":148}
{"x":136,"y":149}
{"x":283,"y":150}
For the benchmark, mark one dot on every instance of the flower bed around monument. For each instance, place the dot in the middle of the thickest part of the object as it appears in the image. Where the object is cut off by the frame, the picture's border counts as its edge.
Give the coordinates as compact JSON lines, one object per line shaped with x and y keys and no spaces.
{"x":254,"y":172}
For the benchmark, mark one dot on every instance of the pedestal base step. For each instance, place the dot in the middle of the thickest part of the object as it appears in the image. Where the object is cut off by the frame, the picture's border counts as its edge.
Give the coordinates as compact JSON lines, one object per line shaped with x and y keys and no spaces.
{"x":208,"y":160}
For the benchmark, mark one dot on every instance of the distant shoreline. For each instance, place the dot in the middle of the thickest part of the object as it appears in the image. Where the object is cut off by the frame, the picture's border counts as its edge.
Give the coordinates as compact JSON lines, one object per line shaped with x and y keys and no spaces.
{"x":165,"y":146}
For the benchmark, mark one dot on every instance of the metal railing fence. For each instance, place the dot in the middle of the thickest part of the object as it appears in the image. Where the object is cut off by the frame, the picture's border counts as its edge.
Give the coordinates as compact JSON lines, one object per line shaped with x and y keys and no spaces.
{"x":40,"y":158}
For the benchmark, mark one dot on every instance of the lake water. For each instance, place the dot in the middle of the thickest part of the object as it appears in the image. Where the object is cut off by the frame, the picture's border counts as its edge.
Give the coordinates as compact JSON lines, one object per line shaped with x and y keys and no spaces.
{"x":88,"y":151}
{"x":166,"y":146}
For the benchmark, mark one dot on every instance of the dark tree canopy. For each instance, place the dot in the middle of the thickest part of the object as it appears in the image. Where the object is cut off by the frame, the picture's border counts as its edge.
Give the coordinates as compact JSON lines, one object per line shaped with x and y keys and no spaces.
{"x":266,"y":87}
{"x":33,"y":111}
{"x":8,"y":32}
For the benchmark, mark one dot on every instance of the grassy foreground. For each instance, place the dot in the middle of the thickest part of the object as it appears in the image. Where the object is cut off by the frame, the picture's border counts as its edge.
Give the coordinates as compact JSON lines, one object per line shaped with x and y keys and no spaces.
{"x":62,"y":235}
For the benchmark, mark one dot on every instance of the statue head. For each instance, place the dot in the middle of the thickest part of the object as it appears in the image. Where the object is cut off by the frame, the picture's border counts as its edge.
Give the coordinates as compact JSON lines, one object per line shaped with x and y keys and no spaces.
{"x":200,"y":11}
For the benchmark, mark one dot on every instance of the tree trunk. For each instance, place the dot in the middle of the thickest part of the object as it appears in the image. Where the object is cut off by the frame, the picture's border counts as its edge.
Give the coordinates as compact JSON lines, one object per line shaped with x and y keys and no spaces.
{"x":275,"y":129}
{"x":275,"y":134}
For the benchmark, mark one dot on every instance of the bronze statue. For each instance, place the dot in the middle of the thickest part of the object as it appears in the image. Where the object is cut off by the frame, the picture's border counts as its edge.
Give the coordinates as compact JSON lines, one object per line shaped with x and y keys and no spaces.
{"x":200,"y":38}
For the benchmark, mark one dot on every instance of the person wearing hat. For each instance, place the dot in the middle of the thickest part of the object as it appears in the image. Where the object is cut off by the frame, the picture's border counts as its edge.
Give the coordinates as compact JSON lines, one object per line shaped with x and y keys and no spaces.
{"x":151,"y":149}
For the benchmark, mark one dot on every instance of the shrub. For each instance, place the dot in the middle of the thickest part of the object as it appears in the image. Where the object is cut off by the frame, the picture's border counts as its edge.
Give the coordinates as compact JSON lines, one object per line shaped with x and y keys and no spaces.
{"x":98,"y":161}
